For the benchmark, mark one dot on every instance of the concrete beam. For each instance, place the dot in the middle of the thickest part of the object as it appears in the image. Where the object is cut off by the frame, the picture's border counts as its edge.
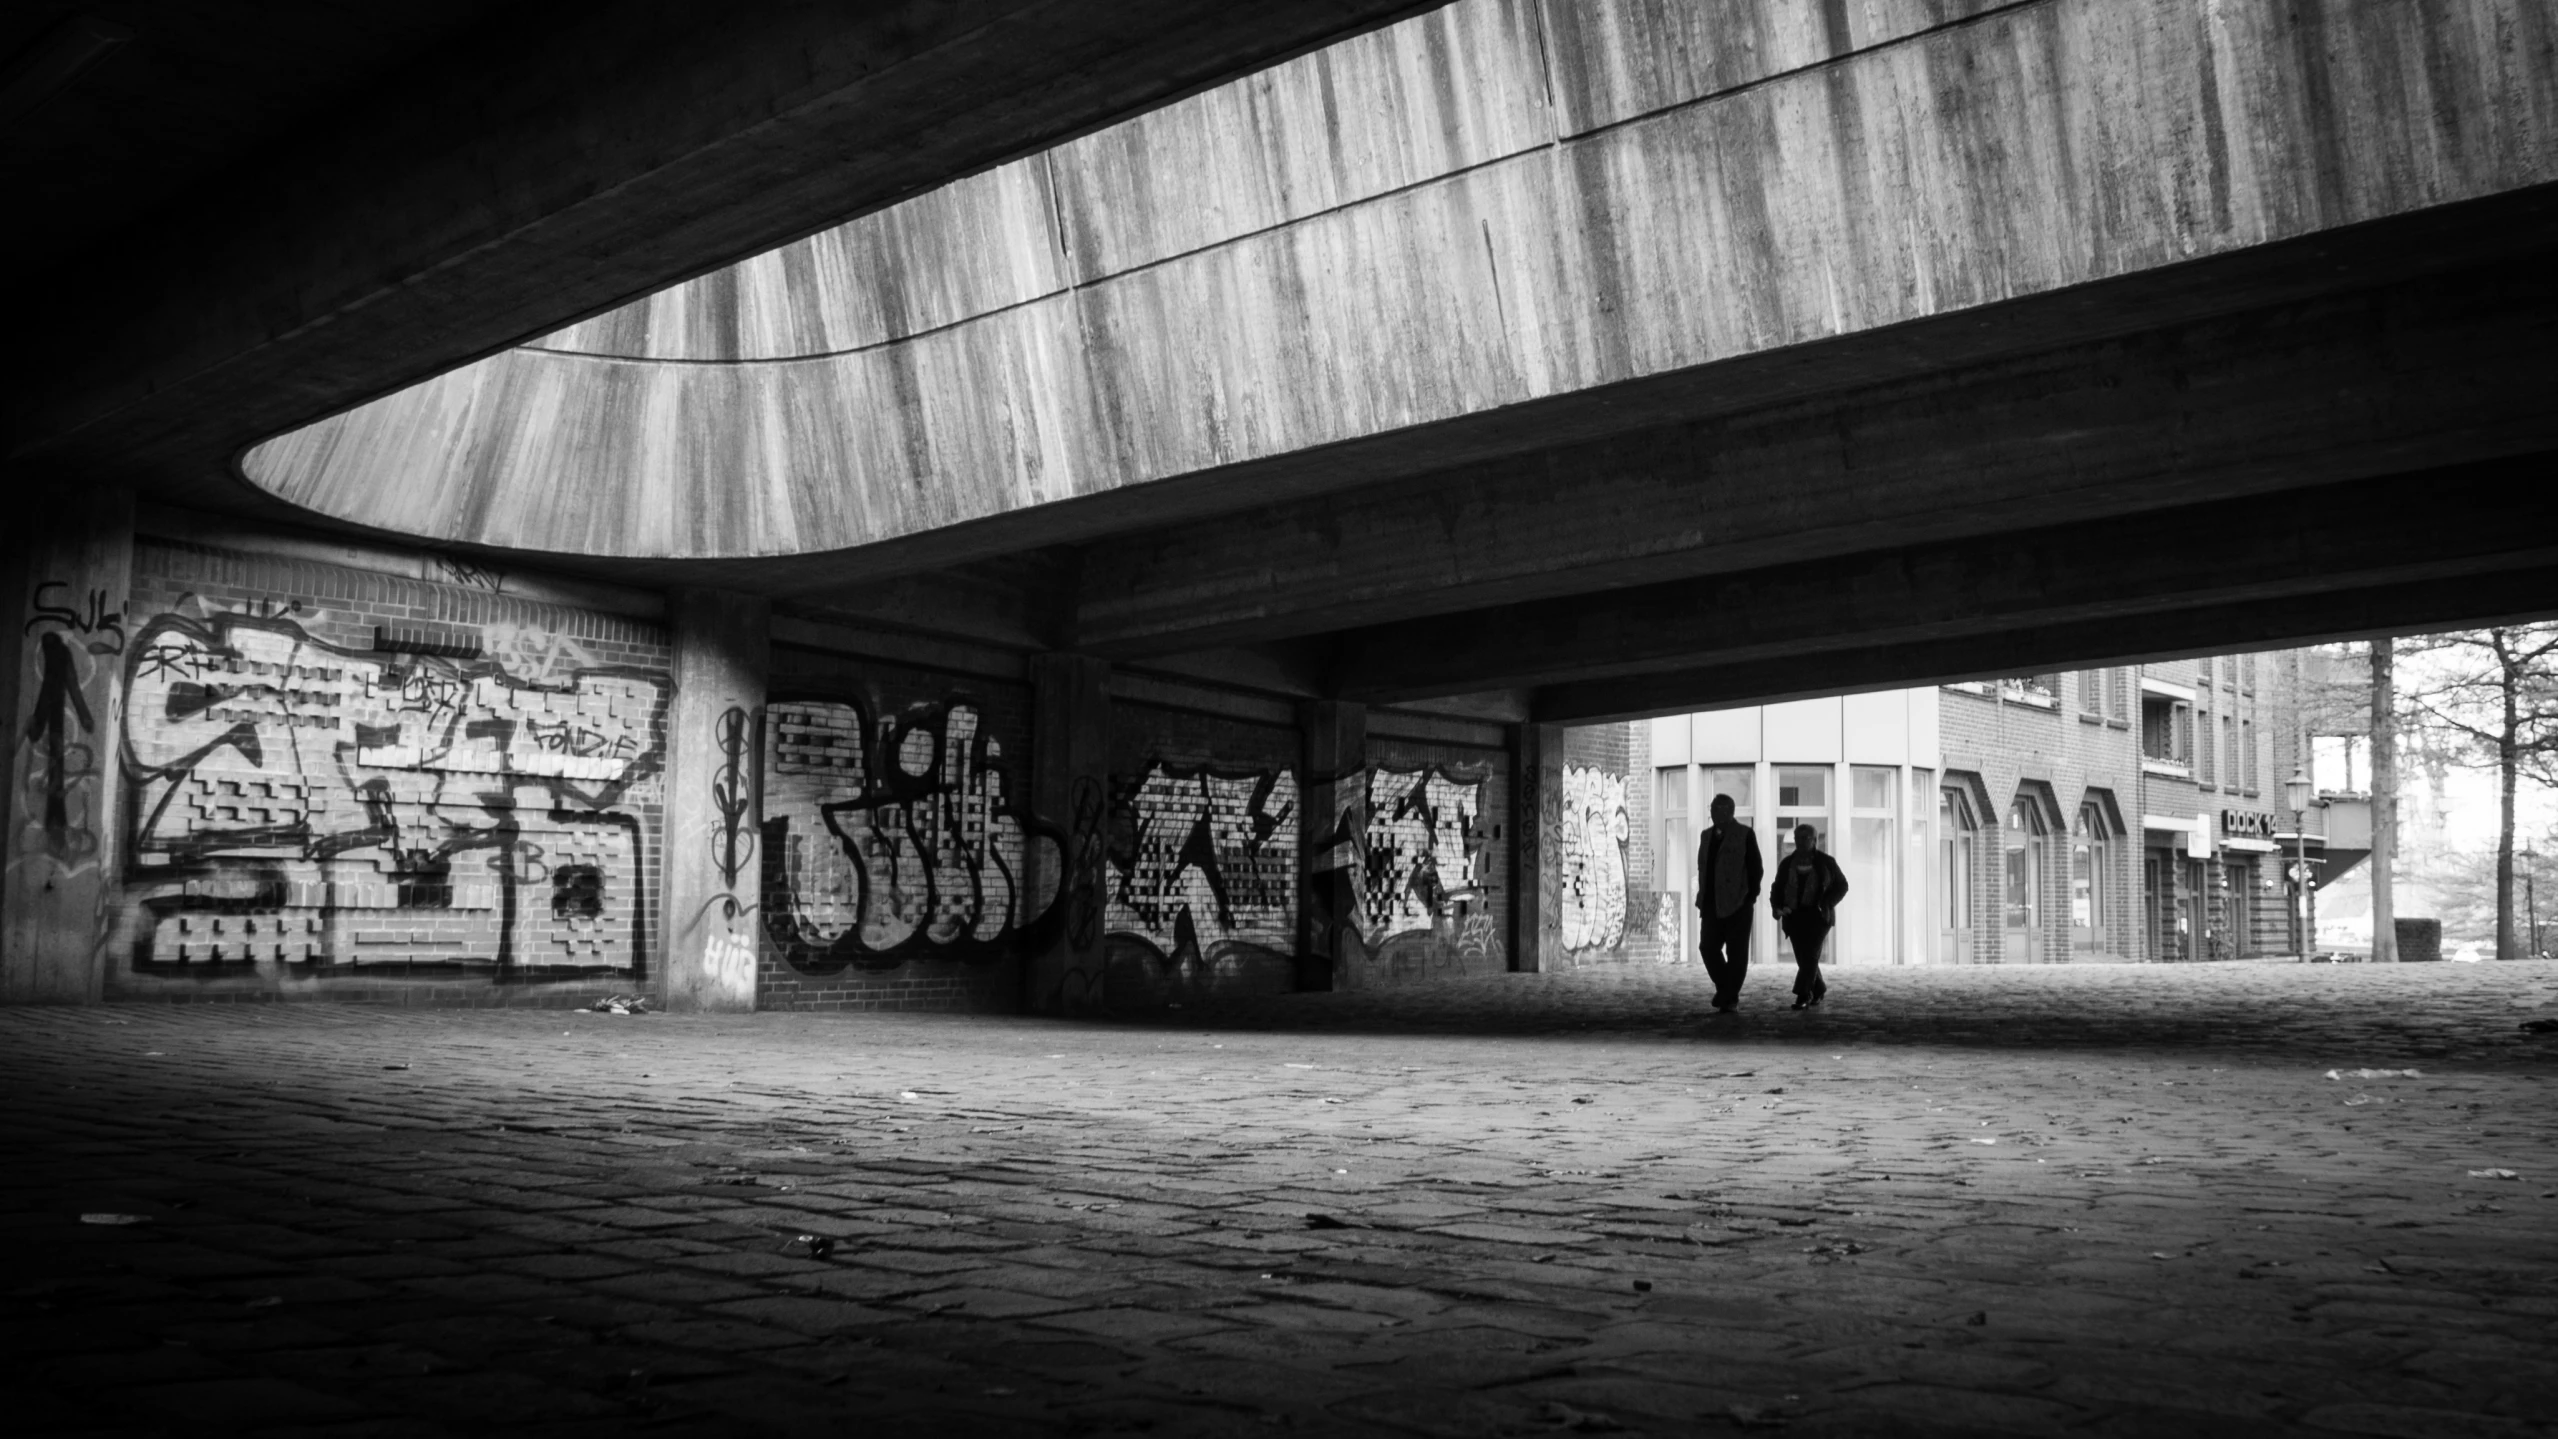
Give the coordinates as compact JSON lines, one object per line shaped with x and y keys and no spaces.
{"x":2032,"y":151}
{"x":555,"y":164}
{"x":2438,"y":524}
{"x":2345,"y":613}
{"x":2446,"y":369}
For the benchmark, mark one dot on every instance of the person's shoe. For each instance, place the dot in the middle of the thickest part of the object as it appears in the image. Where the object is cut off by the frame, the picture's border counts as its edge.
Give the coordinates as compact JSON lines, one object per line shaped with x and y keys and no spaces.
{"x":1802,"y":1004}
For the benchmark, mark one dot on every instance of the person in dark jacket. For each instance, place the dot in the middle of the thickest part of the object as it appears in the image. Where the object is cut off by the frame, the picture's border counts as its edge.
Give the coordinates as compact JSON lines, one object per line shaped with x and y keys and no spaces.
{"x":1728,"y":875}
{"x":1805,"y":897}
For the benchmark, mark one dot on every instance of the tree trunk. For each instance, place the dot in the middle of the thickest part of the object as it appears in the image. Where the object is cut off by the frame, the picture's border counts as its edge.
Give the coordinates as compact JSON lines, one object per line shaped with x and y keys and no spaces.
{"x":2384,"y":799}
{"x":2508,"y":760}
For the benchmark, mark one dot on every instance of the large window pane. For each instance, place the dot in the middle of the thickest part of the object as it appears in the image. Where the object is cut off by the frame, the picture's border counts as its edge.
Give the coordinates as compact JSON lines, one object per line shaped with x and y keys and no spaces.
{"x":1674,"y":858}
{"x":1738,"y":781}
{"x":2020,"y":887}
{"x":1802,"y":797}
{"x":2026,"y":849}
{"x":2082,"y":888}
{"x":1866,"y":931}
{"x":1676,"y":841}
{"x":1871,"y":787}
{"x":1866,"y":926}
{"x":1802,"y":787}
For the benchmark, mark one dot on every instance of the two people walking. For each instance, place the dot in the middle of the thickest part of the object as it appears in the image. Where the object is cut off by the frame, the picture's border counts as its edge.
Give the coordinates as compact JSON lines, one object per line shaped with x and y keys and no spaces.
{"x":1805,"y":898}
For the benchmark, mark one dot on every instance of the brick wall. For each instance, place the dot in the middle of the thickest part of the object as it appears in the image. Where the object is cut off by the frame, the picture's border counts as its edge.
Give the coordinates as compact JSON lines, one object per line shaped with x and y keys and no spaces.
{"x":900,"y":867}
{"x":1606,"y":915}
{"x":350,"y":785}
{"x":2058,"y":755}
{"x":1437,"y":891}
{"x":1648,"y":940}
{"x":1206,"y":814}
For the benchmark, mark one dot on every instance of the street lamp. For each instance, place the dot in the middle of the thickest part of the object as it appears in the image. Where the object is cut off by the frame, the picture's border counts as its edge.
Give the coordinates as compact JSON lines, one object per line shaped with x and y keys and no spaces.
{"x":2296,"y":794}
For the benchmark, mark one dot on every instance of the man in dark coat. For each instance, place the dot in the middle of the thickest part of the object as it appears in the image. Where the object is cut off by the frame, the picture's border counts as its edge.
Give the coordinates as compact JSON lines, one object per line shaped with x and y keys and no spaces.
{"x":1728,"y":874}
{"x":1809,"y":886}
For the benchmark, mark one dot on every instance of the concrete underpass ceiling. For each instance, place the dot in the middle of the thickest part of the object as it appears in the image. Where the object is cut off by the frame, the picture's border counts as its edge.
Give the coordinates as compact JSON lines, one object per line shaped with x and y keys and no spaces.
{"x":233,"y":220}
{"x":2128,"y":435}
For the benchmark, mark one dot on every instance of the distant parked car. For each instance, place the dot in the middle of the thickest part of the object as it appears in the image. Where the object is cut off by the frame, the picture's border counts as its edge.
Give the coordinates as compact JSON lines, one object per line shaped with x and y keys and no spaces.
{"x":2467,"y":953}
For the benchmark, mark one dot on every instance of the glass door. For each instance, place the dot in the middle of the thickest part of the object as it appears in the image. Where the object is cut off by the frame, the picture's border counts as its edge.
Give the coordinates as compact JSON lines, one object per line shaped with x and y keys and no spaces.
{"x":1873,"y":844}
{"x":1674,"y":858}
{"x":2090,"y":880}
{"x":2025,"y":851}
{"x":1956,"y":826}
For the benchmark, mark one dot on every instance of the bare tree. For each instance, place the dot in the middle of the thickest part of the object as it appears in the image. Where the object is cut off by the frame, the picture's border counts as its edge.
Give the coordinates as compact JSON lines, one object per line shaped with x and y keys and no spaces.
{"x":2492,"y":693}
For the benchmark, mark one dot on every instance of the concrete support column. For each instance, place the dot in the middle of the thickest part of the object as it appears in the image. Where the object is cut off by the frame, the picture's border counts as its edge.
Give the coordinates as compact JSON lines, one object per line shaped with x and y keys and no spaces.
{"x":2384,"y":799}
{"x":1332,"y":830}
{"x":1070,"y":787}
{"x":714,"y":794}
{"x":1536,"y":906}
{"x":66,"y":569}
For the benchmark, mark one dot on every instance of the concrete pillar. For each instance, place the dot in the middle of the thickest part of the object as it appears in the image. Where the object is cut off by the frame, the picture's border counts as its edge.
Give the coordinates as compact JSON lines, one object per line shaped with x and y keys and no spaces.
{"x":714,"y":792}
{"x":2384,"y":799}
{"x":64,"y":580}
{"x":1070,"y":788}
{"x":1332,"y":831}
{"x":1536,"y":905}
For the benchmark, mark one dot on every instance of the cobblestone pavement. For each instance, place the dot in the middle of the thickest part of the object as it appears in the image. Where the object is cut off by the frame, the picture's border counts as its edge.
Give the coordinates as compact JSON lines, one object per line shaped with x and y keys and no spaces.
{"x":2071,"y":1200}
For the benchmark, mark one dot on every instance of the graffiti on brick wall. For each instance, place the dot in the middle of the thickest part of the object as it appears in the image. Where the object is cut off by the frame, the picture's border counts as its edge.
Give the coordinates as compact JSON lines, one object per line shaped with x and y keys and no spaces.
{"x":1425,"y":901}
{"x":70,"y":652}
{"x":1590,"y":849}
{"x":732,"y":843}
{"x":338,"y":812}
{"x":1203,"y":875}
{"x":536,"y":654}
{"x":904,"y":839}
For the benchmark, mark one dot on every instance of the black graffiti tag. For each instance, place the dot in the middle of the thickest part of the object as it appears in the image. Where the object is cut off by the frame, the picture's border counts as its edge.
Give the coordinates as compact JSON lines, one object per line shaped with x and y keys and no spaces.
{"x":732,"y":844}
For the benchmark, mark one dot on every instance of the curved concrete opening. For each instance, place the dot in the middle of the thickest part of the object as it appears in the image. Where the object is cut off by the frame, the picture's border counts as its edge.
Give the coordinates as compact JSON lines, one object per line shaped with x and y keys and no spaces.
{"x":1445,"y":227}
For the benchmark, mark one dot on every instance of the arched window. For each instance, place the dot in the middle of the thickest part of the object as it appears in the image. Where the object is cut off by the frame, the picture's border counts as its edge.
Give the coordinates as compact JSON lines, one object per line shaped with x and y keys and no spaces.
{"x":1956,"y":828}
{"x":2091,"y":880}
{"x":2028,"y":853}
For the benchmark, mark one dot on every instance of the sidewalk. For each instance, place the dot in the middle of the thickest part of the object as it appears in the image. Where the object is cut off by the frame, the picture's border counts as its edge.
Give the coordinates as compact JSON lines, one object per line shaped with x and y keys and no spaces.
{"x":2070,"y":1200}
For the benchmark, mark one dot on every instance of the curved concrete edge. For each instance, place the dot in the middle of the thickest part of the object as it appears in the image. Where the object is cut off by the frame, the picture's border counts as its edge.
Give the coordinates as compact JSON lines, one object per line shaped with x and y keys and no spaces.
{"x":2021,"y":153}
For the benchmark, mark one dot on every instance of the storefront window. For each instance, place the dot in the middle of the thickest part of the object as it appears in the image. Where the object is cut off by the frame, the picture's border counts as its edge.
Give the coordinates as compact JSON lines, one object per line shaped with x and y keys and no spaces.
{"x":1674,"y":849}
{"x":1873,"y":847}
{"x":1740,"y":784}
{"x":1674,"y":841}
{"x":1802,"y":797}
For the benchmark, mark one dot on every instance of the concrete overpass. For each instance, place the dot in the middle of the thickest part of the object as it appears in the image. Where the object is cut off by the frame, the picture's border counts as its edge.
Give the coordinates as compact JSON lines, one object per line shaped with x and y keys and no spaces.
{"x":1446,"y":360}
{"x":1511,"y":365}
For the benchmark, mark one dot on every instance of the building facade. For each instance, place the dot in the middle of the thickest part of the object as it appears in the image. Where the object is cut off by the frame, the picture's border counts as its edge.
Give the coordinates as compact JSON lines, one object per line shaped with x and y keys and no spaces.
{"x":2130,"y":813}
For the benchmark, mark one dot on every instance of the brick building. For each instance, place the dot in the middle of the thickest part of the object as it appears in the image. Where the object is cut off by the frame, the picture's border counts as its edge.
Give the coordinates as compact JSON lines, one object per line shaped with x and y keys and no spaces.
{"x":2124,"y":813}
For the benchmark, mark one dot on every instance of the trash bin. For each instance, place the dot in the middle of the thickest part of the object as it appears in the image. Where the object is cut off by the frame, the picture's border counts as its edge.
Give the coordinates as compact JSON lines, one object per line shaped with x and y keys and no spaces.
{"x":2420,"y":940}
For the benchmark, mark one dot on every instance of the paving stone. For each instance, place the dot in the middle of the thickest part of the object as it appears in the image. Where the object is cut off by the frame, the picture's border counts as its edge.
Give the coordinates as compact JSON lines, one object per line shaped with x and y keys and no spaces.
{"x":240,"y":1402}
{"x":804,"y":1315}
{"x":2330,"y":1269}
